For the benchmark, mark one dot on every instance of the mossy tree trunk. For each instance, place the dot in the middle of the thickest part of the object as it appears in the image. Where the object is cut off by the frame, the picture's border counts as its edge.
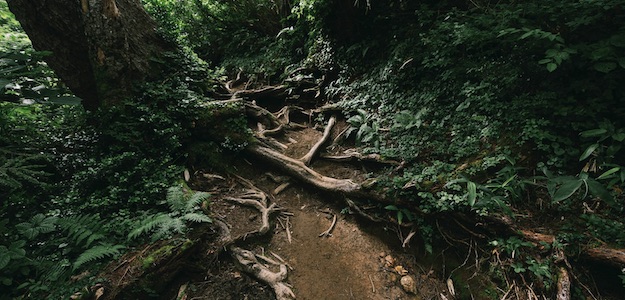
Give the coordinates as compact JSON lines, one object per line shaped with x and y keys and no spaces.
{"x":100,"y":47}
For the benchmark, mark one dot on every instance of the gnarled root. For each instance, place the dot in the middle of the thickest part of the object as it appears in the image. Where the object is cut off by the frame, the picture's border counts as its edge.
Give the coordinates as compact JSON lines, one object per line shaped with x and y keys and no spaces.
{"x":317,"y":147}
{"x":300,"y":171}
{"x":257,"y":199}
{"x":250,"y":264}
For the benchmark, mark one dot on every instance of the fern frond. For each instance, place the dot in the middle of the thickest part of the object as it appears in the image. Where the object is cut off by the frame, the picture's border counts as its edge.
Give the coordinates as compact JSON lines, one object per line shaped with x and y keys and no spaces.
{"x":56,"y":271}
{"x":96,"y":253}
{"x":150,"y":224}
{"x":196,"y":200}
{"x":15,"y":171}
{"x":174,"y":225}
{"x":176,"y":198}
{"x":197,"y":218}
{"x":82,"y":230}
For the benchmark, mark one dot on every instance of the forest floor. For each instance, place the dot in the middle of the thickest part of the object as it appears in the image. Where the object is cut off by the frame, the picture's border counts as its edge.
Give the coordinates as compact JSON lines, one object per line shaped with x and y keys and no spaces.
{"x":357,"y":260}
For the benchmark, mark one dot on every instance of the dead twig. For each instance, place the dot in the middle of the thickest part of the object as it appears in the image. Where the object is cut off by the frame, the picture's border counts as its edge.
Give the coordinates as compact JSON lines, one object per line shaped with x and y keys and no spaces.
{"x":281,"y":259}
{"x":328,"y":233}
{"x":288,"y":229}
{"x":408,"y":237}
{"x":372,"y":285}
{"x":281,"y":188}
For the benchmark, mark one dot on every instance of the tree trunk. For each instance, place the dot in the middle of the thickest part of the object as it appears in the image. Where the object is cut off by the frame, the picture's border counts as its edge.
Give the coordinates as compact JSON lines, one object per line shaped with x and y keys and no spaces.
{"x":99,"y":48}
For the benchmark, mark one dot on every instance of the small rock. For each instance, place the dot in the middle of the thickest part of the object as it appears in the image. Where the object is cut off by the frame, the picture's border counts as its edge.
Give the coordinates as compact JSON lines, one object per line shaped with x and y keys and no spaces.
{"x":400,"y":270}
{"x":382,"y":254}
{"x":390,"y":261}
{"x":408,"y":284}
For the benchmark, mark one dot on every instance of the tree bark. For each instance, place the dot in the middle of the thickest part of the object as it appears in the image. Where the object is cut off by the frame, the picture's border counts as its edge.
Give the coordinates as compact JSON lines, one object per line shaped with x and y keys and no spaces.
{"x":99,"y":48}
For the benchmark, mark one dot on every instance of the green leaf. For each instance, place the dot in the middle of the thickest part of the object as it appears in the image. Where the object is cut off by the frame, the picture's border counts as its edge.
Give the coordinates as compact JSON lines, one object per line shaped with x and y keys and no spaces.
{"x":601,"y":53}
{"x":618,"y":40}
{"x":7,"y":281}
{"x":472,"y":188}
{"x":551,"y":67}
{"x":619,"y":137}
{"x":566,"y":190}
{"x":605,"y":66}
{"x":544,"y":61}
{"x":3,"y":83}
{"x":593,"y":132}
{"x":599,"y":190}
{"x":400,"y":217}
{"x":609,"y":172}
{"x":5,"y":257}
{"x":391,"y":207}
{"x":588,"y":151}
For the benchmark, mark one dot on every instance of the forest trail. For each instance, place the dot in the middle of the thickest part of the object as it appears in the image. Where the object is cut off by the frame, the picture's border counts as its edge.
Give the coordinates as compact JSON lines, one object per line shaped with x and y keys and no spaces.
{"x":355,"y":261}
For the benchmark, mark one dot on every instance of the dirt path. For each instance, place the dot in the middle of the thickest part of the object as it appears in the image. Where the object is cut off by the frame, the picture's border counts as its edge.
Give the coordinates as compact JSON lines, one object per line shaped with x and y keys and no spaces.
{"x":346,"y":265}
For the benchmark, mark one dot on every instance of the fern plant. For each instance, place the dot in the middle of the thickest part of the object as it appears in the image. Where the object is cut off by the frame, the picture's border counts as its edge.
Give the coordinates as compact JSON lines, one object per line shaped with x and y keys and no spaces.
{"x":16,"y":170}
{"x":184,"y":207}
{"x":82,"y":230}
{"x":96,"y":253}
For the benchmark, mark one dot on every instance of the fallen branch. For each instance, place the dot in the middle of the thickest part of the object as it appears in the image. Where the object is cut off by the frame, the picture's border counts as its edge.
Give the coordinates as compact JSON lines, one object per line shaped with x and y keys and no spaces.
{"x":324,"y":138}
{"x":328,"y":233}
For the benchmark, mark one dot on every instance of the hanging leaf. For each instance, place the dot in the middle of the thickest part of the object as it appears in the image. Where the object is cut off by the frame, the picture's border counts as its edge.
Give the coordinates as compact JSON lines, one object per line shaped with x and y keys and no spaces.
{"x":588,"y":151}
{"x":593,"y":132}
{"x":609,"y":172}
{"x":551,"y":67}
{"x":598,"y":190}
{"x":472,"y":188}
{"x":566,"y":190}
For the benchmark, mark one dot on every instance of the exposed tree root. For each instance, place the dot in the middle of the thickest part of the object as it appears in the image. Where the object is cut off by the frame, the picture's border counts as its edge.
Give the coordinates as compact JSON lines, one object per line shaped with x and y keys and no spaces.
{"x":306,"y":159}
{"x":355,"y":156}
{"x":602,"y":254}
{"x":300,"y":171}
{"x":257,"y":199}
{"x":247,"y":260}
{"x":252,"y":266}
{"x":564,"y":285}
{"x":265,"y":92}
